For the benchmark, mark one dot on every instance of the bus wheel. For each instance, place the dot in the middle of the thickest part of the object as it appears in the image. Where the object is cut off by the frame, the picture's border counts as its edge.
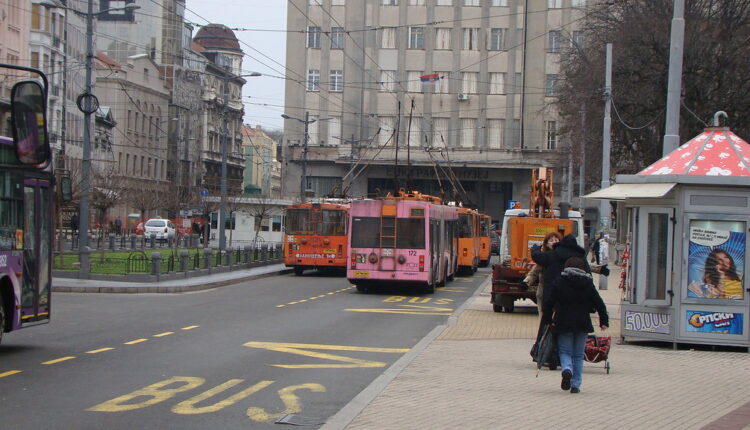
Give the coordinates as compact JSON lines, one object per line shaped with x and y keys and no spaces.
{"x":445,"y":276}
{"x":497,"y":308}
{"x":298,"y":271}
{"x":361,"y":288}
{"x":429,"y":289}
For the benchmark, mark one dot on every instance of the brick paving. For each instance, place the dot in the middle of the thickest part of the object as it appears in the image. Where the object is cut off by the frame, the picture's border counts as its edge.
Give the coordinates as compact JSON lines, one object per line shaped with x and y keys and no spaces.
{"x":477,"y":374}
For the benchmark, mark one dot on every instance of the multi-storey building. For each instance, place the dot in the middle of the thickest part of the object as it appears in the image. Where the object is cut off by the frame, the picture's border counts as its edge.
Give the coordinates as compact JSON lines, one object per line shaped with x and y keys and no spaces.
{"x":427,"y":85}
{"x":262,"y":169}
{"x":14,"y":48}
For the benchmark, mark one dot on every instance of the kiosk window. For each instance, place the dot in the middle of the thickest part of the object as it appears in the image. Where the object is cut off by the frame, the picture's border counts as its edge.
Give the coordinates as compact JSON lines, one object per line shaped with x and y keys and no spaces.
{"x":656,"y":256}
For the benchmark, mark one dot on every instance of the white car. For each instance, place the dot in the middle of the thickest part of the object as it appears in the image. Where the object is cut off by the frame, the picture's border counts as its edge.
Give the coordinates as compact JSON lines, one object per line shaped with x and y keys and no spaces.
{"x":163,"y":229}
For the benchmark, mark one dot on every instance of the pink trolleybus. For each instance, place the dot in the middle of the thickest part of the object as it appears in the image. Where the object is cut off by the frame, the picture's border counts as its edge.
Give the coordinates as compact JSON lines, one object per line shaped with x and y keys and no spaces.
{"x":407,"y":239}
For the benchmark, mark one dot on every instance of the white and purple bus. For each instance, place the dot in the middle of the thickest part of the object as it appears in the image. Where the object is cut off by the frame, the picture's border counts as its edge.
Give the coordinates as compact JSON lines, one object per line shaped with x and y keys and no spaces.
{"x":410,"y":239}
{"x":26,"y":205}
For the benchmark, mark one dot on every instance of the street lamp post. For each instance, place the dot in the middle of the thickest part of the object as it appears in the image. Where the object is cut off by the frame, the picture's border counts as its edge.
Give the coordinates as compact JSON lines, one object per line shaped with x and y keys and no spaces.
{"x":307,"y":121}
{"x":87,"y":99}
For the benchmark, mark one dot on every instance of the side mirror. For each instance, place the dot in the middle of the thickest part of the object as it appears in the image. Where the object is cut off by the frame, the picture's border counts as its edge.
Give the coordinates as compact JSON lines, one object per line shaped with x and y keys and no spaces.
{"x":29,"y":123}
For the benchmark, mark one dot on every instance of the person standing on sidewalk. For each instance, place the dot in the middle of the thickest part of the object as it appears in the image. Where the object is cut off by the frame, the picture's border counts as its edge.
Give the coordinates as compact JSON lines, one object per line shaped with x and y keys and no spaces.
{"x":567,"y":306}
{"x":535,"y":277}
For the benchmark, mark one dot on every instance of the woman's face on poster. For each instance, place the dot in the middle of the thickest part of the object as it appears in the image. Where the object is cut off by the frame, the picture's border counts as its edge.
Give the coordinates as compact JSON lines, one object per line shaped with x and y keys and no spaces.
{"x":723,"y":262}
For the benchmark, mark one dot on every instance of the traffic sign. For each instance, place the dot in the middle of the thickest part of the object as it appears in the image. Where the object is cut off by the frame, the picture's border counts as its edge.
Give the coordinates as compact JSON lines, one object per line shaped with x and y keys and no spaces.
{"x":514,"y":204}
{"x":204,"y":192}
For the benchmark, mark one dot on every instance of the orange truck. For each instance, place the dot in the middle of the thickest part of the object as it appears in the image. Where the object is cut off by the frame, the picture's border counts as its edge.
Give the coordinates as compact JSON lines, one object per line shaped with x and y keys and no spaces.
{"x":522,"y":229}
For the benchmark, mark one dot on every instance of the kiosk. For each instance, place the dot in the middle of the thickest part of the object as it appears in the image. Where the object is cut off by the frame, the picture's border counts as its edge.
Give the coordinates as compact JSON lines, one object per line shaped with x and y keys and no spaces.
{"x":685,"y":265}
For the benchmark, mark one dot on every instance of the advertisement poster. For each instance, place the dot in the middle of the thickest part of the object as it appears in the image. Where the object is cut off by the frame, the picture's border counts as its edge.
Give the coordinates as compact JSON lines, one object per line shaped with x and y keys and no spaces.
{"x":648,"y":322}
{"x":716,"y":258}
{"x":713,"y":322}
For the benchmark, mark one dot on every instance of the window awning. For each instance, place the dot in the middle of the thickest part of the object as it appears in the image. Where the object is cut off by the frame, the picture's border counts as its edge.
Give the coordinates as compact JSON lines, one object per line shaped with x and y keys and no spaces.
{"x":625,"y":191}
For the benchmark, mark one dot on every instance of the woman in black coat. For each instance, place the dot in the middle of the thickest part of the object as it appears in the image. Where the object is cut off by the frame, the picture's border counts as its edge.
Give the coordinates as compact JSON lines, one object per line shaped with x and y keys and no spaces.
{"x":553,"y":261}
{"x":567,"y":308}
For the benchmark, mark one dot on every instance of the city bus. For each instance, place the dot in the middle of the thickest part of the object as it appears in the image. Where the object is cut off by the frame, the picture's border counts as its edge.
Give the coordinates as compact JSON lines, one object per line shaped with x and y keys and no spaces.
{"x":469,"y":242}
{"x":484,"y":240}
{"x":26,"y":204}
{"x":403,"y":240}
{"x":315,"y":236}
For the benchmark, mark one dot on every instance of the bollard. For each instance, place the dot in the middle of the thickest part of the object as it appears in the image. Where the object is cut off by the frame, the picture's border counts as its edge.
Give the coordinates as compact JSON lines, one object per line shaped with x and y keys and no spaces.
{"x":133,"y":237}
{"x":111,"y":241}
{"x":279,"y":251}
{"x":184,"y":256}
{"x":227,"y":257}
{"x":207,"y":256}
{"x":156,"y":264}
{"x":152,"y":240}
{"x":264,"y":251}
{"x":123,"y":242}
{"x":248,"y":249}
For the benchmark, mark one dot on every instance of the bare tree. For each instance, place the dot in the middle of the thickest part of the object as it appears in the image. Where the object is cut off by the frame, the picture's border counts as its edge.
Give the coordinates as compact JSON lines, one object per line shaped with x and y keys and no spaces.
{"x":714,"y":76}
{"x":107,"y":190}
{"x":261,"y":209}
{"x":144,"y":196}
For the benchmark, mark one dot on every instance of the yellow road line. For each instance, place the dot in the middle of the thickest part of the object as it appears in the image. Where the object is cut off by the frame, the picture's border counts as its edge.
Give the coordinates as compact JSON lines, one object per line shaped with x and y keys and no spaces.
{"x":57,"y":360}
{"x":133,"y":342}
{"x":280,"y":306}
{"x":190,"y":327}
{"x":8,"y":373}
{"x":166,"y":333}
{"x":96,"y":351}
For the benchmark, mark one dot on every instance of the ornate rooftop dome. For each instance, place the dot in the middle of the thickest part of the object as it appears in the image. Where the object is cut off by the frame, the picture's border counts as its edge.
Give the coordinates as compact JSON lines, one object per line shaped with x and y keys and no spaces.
{"x":217,"y":37}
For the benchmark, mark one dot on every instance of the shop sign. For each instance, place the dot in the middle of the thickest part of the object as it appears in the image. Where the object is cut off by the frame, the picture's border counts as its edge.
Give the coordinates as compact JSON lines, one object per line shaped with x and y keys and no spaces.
{"x":713,"y":322}
{"x":649,"y":322}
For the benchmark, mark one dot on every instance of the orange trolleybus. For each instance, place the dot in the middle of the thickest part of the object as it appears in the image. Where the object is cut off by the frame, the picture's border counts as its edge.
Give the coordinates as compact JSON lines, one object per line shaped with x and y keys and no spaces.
{"x":468,"y":240}
{"x":315,"y":236}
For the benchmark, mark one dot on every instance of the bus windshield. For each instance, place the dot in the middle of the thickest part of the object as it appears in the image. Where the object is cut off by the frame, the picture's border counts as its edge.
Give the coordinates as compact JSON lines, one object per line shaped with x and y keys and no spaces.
{"x":298,"y":222}
{"x":465,"y":227}
{"x":333,"y":223}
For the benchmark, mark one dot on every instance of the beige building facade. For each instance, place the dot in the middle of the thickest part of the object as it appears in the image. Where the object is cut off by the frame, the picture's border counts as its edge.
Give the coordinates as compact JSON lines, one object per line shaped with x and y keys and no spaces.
{"x":465,"y":84}
{"x":262,"y":169}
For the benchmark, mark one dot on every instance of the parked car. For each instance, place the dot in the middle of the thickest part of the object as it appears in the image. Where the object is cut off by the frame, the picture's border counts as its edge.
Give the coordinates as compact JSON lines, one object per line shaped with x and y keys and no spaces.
{"x":162,"y":228}
{"x":494,"y":243}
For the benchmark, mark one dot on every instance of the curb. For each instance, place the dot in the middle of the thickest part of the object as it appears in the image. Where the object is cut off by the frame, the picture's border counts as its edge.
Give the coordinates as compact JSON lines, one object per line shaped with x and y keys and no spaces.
{"x":349,"y":412}
{"x":161,"y":289}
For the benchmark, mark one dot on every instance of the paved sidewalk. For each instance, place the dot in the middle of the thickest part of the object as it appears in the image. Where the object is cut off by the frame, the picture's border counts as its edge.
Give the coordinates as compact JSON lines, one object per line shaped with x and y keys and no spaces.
{"x":69,"y":285}
{"x":476,"y":373}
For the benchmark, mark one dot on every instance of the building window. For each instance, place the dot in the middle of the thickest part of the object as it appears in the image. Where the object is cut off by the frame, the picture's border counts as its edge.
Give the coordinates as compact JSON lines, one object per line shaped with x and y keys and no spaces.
{"x":578,"y":39}
{"x":338,"y":2}
{"x":388,"y":40}
{"x":313,"y":37}
{"x":497,"y":39}
{"x":35,"y":60}
{"x":312,"y":132}
{"x":499,"y":3}
{"x":276,"y":219}
{"x":442,"y":38}
{"x":440,"y":132}
{"x":497,"y":83}
{"x":553,"y":41}
{"x":413,"y":82}
{"x":550,"y":86}
{"x":495,"y":134}
{"x":313,"y":80}
{"x":554,"y":4}
{"x":337,"y":80}
{"x":387,"y":126}
{"x":444,"y":3}
{"x":389,"y":2}
{"x":441,"y":86}
{"x":551,"y":134}
{"x":36,"y":17}
{"x":471,"y":3}
{"x":471,"y":39}
{"x":416,"y":2}
{"x":334,"y":130}
{"x":416,"y":37}
{"x":469,"y":82}
{"x":468,"y":132}
{"x":578,"y":3}
{"x":315,"y":2}
{"x":387,"y":80}
{"x":337,"y":37}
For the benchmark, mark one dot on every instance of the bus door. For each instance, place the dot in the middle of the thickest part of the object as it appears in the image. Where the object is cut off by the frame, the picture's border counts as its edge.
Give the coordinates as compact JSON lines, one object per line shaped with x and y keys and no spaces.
{"x":37,"y":235}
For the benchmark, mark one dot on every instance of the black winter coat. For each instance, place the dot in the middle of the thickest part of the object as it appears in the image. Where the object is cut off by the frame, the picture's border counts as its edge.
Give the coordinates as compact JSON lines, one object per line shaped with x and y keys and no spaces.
{"x":572,"y":297}
{"x":553,"y":261}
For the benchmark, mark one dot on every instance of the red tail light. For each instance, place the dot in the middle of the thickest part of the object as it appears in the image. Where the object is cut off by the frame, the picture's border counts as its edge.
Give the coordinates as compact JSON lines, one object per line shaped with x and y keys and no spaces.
{"x":341,"y":251}
{"x":466,"y":252}
{"x":354,"y":260}
{"x":289,"y":247}
{"x":421,"y":263}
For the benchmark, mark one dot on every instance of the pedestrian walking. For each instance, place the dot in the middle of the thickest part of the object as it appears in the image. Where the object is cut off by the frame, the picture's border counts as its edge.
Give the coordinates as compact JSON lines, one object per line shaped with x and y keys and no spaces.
{"x":566,"y":307}
{"x":74,"y":224}
{"x":595,"y":249}
{"x":118,"y":226}
{"x":535,"y":276}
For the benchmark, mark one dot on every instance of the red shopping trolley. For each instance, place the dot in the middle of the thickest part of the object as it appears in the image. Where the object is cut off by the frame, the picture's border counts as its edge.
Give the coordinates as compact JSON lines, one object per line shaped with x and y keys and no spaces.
{"x":597,"y":350}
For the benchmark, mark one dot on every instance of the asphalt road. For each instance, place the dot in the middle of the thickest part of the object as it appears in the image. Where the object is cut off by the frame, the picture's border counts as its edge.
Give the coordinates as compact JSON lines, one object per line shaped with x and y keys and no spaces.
{"x":239,"y":356}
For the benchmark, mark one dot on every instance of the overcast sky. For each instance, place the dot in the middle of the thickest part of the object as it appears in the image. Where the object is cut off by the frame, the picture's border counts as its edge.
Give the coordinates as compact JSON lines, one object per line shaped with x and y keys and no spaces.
{"x":265,"y":51}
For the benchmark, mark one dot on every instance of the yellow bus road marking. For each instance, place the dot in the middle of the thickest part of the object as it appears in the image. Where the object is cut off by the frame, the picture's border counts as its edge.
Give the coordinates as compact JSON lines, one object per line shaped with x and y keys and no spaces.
{"x":133,"y":342}
{"x":190,"y":327}
{"x":96,"y":351}
{"x":304,"y":350}
{"x":58,"y":360}
{"x":454,"y":289}
{"x":397,"y":311}
{"x":8,"y":373}
{"x":315,"y":297}
{"x":280,"y":306}
{"x":166,"y":333}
